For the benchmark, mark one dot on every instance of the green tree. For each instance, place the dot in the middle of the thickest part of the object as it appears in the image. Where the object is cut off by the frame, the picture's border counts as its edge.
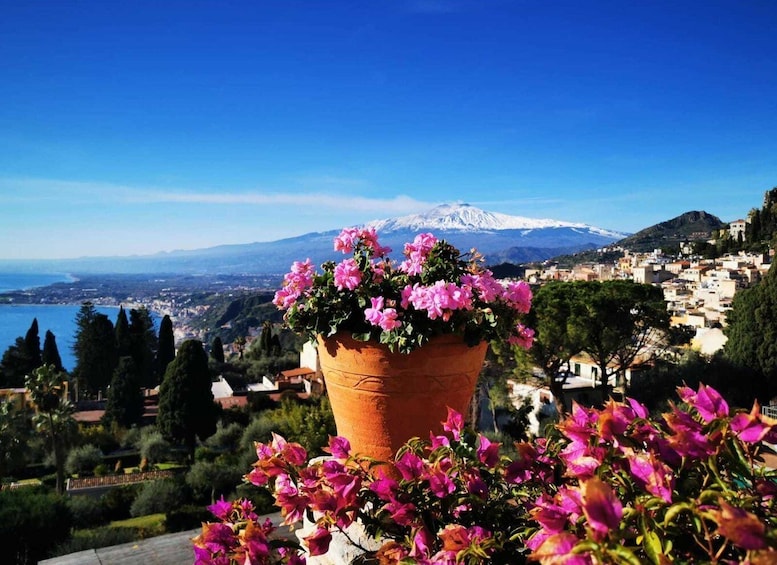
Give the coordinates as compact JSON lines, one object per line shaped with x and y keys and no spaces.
{"x":166,"y":351}
{"x":186,"y":408}
{"x":54,"y":414}
{"x":752,"y":332}
{"x":125,"y":398}
{"x":50,"y":355}
{"x":14,"y":433}
{"x":553,"y":346}
{"x":217,"y":350}
{"x":94,"y":349}
{"x":143,"y":345}
{"x":21,"y":358}
{"x":122,"y":334}
{"x":32,"y":345}
{"x":614,"y":322}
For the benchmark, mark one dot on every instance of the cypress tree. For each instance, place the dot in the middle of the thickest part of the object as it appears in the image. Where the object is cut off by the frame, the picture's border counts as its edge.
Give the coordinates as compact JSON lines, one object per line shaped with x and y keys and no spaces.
{"x":217,"y":350}
{"x":143,"y":345}
{"x":125,"y":398}
{"x":95,"y":350}
{"x":32,"y":345}
{"x":50,"y":354}
{"x":186,"y":408}
{"x":122,"y":334}
{"x":166,"y":351}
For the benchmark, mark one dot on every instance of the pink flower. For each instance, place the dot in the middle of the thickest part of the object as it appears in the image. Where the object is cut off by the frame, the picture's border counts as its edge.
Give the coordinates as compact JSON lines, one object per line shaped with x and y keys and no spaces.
{"x":523,"y":337}
{"x":347,"y":275}
{"x":318,"y":542}
{"x":347,"y":239}
{"x":557,"y":550}
{"x":410,"y":466}
{"x":750,"y":428}
{"x":454,"y":423}
{"x":651,"y":474}
{"x":339,"y":447}
{"x":518,"y":295}
{"x":221,"y":509}
{"x":488,"y":452}
{"x":688,"y":439}
{"x":707,"y":402}
{"x":601,"y":507}
{"x":484,"y":284}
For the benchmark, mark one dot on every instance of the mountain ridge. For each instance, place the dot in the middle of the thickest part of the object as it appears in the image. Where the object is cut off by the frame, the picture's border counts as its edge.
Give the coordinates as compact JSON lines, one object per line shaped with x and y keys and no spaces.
{"x":499,"y":237}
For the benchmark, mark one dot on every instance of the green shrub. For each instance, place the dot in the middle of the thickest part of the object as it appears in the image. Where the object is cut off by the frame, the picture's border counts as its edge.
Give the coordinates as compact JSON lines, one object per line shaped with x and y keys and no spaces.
{"x":159,"y":496}
{"x":226,"y":438}
{"x":87,"y":512}
{"x":117,"y":501}
{"x":81,"y":460}
{"x":153,"y":447}
{"x":95,"y":539}
{"x":32,"y":523}
{"x":101,"y":470}
{"x":186,"y":517}
{"x":211,"y":479}
{"x":100,"y":436}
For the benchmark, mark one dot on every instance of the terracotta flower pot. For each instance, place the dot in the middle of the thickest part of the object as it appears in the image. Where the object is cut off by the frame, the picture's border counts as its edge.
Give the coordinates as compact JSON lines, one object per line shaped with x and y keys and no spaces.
{"x":381,"y":399}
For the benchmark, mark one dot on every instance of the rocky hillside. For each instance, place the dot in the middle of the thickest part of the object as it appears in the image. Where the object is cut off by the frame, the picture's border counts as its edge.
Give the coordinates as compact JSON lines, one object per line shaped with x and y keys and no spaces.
{"x":694,"y":225}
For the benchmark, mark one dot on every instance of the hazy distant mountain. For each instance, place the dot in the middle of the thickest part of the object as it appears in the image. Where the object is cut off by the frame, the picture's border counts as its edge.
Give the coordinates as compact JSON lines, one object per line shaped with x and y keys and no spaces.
{"x":499,"y":237}
{"x":688,"y":226}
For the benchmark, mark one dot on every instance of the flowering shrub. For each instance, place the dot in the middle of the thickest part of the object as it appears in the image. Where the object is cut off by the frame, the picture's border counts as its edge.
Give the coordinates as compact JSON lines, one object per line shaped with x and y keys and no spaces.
{"x":434,"y":290}
{"x":610,"y":486}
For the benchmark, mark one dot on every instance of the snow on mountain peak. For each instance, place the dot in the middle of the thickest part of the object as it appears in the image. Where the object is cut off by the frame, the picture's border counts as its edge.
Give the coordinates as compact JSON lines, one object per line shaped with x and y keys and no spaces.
{"x":464,"y":217}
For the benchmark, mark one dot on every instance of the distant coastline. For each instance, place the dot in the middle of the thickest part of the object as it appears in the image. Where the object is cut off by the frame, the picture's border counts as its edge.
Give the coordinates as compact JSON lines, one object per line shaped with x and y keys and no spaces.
{"x":10,"y":281}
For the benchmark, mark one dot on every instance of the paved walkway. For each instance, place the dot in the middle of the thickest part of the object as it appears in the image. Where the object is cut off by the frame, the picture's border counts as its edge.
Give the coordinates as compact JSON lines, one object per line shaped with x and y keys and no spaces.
{"x":169,"y":549}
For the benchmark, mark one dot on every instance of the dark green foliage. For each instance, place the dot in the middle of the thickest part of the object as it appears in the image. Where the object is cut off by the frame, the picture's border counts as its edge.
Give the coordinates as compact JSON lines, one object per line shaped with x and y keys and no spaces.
{"x":752,"y":332}
{"x":612,"y":322}
{"x":83,"y":459}
{"x":87,"y":512}
{"x":186,"y":517}
{"x":159,"y":496}
{"x":122,"y":333}
{"x":153,"y":447}
{"x":83,"y":540}
{"x":217,"y":350}
{"x":54,"y":416}
{"x":94,"y":349}
{"x":14,"y":366}
{"x":166,"y":351}
{"x":117,"y":501}
{"x":32,"y":523}
{"x":186,"y":408}
{"x":21,"y":358}
{"x":125,"y":397}
{"x":32,"y":345}
{"x":143,"y":346}
{"x":50,"y":355}
{"x":14,"y":431}
{"x":211,"y":479}
{"x":657,"y":386}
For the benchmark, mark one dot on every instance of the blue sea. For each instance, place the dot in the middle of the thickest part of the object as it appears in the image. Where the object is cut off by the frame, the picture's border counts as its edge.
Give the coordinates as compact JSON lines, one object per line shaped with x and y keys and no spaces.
{"x":16,"y":319}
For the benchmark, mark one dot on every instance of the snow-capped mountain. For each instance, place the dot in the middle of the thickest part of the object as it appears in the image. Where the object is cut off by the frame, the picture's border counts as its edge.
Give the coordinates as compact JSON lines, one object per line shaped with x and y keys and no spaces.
{"x":498,"y":237}
{"x":464,"y":217}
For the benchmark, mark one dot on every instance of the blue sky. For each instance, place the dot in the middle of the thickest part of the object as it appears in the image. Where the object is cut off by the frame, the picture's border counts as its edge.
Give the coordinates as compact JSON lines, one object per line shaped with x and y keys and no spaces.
{"x":137,"y":127}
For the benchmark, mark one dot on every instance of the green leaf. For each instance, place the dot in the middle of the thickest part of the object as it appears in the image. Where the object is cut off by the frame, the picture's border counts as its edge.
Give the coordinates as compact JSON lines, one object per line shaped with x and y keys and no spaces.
{"x":624,"y":555}
{"x":675,"y":510}
{"x":652,"y":545}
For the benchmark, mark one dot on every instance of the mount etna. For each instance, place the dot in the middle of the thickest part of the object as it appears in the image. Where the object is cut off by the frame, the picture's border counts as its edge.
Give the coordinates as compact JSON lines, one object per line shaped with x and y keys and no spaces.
{"x":499,"y":237}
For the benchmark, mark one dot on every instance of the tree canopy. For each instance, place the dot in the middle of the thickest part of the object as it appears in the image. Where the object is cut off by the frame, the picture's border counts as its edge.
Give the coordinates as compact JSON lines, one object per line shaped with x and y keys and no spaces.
{"x":752,"y":332}
{"x":125,"y":398}
{"x":186,"y":407}
{"x":611,"y":321}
